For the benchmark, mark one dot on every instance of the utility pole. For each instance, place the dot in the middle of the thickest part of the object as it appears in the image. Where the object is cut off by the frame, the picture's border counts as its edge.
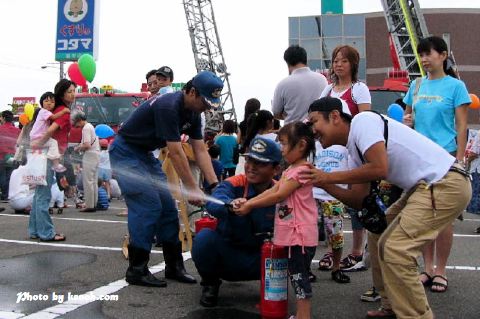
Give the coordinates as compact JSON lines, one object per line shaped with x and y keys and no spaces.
{"x":62,"y":74}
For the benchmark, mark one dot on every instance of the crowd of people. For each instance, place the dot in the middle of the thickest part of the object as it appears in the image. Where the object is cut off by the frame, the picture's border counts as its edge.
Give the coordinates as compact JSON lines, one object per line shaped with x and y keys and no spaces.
{"x":299,"y":182}
{"x":48,"y":132}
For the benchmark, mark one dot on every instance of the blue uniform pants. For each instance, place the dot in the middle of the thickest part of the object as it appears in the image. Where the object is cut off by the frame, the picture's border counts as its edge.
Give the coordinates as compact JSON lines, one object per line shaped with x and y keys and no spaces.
{"x":215,"y":258}
{"x":144,"y":187}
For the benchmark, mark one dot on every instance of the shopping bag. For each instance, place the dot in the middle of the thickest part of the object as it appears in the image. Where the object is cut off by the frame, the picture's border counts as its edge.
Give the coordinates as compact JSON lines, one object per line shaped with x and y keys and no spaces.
{"x":36,"y":173}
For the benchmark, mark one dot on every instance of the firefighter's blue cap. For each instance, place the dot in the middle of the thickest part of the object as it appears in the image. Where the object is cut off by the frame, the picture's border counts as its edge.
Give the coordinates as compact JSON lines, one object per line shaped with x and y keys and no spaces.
{"x":264,"y":150}
{"x":209,"y":86}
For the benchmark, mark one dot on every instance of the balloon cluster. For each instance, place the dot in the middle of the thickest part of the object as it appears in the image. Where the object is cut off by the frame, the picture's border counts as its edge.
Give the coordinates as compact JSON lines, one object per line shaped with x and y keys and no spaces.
{"x":82,"y":71}
{"x":27,"y":116}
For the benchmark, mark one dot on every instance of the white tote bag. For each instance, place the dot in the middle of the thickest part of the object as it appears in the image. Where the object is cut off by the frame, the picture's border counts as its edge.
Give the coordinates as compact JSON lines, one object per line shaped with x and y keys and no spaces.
{"x":36,"y":172}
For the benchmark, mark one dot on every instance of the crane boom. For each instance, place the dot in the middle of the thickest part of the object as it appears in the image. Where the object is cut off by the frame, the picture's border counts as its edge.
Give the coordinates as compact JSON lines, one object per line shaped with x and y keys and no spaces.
{"x":208,"y":55}
{"x":406,"y":25}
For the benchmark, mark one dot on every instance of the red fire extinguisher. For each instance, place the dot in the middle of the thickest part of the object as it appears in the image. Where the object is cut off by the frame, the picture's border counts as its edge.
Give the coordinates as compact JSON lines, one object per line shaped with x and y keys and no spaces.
{"x":274,"y":282}
{"x":206,"y":221}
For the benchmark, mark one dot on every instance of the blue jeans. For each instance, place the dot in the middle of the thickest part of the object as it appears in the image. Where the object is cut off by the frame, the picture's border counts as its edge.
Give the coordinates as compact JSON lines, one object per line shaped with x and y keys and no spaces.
{"x":40,"y":223}
{"x":215,"y":258}
{"x":144,"y":187}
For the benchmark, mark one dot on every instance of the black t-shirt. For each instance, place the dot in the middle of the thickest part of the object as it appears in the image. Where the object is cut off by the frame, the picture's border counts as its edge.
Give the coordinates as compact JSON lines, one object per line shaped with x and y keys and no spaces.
{"x":160,"y":120}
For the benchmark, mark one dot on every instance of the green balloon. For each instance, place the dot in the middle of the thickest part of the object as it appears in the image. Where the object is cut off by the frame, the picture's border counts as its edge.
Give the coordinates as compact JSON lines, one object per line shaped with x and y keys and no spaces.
{"x":87,"y":66}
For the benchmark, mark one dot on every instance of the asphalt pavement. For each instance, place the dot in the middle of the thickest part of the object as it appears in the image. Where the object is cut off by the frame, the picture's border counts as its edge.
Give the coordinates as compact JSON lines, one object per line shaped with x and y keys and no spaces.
{"x":68,"y":279}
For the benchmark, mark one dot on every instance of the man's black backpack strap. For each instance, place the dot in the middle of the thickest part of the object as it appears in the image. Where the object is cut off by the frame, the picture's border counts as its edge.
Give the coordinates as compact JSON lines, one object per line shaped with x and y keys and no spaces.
{"x":385,"y":133}
{"x":372,"y":214}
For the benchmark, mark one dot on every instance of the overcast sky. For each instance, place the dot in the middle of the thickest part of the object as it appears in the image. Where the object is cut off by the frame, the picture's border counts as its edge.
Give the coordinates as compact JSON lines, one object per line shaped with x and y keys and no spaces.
{"x":137,"y":36}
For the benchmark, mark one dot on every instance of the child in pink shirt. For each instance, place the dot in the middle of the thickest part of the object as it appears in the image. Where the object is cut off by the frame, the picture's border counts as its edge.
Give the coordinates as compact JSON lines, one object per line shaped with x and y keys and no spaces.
{"x":42,"y":123}
{"x":296,"y":215}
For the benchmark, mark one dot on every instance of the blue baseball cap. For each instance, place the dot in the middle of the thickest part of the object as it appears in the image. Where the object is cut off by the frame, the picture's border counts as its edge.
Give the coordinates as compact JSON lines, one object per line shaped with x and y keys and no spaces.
{"x":209,"y":86}
{"x":264,"y":150}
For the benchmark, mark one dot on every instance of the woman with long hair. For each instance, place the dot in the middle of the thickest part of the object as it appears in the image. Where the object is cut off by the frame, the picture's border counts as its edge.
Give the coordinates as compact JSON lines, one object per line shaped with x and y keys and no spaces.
{"x":40,"y":223}
{"x":437,"y":108}
{"x":259,"y":123}
{"x":251,"y":106}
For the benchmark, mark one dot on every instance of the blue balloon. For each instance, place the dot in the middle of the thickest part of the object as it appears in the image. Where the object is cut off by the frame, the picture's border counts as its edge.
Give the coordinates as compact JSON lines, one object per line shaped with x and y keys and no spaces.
{"x":395,"y":112}
{"x":104,"y":131}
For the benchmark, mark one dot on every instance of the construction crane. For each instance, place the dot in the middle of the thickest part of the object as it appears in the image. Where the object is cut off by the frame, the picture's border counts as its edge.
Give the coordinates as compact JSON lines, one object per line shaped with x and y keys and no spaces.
{"x":208,"y":55}
{"x":406,"y":25}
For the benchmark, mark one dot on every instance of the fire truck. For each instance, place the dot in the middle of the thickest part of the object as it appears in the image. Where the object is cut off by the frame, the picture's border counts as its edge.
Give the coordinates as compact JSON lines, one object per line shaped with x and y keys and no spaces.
{"x":105,"y":106}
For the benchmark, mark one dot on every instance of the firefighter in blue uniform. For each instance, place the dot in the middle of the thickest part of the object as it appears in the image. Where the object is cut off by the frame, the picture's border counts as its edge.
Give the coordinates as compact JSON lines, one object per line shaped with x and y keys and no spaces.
{"x":232,"y":251}
{"x":157,"y":123}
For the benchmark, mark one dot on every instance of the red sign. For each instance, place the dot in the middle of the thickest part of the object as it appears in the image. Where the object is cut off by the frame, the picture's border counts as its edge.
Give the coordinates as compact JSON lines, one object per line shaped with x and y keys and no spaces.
{"x":23,"y":100}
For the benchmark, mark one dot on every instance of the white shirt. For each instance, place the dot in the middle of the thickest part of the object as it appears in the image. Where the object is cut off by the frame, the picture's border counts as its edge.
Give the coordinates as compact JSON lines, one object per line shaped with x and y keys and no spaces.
{"x":16,"y":189}
{"x":89,"y":137}
{"x":332,"y":159}
{"x":412,"y":157}
{"x":105,"y":160}
{"x":360,"y":92}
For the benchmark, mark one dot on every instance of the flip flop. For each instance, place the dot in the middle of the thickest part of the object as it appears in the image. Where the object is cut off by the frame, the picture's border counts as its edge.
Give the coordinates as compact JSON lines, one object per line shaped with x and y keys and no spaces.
{"x":438,"y":285}
{"x":57,"y":237}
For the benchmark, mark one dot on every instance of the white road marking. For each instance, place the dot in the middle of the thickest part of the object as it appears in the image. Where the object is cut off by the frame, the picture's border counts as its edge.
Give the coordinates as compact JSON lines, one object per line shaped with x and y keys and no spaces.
{"x":316,"y":261}
{"x":70,"y":305}
{"x":76,"y":219}
{"x":25,"y":242}
{"x":11,"y":315}
{"x":454,"y":235}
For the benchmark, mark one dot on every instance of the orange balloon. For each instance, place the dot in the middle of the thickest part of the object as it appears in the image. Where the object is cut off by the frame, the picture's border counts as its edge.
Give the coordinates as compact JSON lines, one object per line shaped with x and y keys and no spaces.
{"x":23,"y":119}
{"x":475,"y":101}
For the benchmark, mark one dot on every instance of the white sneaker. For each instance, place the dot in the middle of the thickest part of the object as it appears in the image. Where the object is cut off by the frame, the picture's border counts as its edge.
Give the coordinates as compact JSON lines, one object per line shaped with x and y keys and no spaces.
{"x":359,"y":266}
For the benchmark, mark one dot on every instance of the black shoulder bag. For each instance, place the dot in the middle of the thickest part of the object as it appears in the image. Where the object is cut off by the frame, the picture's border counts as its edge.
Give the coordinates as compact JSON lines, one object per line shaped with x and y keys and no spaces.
{"x":372,"y":214}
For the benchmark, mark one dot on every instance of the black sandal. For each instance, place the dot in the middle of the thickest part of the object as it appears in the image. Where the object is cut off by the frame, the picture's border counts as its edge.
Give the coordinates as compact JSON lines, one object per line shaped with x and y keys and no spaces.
{"x":440,"y":285}
{"x":428,"y":282}
{"x":339,"y":277}
{"x":326,"y":263}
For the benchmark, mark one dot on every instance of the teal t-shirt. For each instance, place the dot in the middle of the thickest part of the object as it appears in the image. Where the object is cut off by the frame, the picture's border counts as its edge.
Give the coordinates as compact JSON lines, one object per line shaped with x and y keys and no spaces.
{"x":227,"y":144}
{"x":435,"y":109}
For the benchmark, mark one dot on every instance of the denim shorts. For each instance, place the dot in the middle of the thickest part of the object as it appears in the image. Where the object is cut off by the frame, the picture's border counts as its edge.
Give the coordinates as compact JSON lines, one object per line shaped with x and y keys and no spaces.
{"x":298,"y":268}
{"x":105,"y":174}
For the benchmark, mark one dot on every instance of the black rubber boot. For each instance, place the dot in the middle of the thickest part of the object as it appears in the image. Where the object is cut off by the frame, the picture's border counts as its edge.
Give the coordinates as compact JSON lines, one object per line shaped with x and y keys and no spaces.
{"x":209,"y":296}
{"x":137,"y":272}
{"x":174,"y":267}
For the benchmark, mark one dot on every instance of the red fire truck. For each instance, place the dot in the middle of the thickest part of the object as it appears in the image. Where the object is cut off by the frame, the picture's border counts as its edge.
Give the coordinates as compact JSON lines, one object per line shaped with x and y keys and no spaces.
{"x":105,"y":107}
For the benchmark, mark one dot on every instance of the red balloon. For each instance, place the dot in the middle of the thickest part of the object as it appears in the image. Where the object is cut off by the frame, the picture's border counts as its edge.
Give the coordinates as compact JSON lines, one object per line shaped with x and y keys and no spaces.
{"x":75,"y":74}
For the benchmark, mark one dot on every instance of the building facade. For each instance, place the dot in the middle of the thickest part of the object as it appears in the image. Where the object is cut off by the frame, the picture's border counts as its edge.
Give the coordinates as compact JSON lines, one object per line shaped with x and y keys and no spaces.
{"x":319,"y":35}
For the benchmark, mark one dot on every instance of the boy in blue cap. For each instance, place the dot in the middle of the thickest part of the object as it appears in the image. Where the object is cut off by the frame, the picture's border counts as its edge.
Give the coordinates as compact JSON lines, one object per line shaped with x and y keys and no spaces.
{"x":157,"y":123}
